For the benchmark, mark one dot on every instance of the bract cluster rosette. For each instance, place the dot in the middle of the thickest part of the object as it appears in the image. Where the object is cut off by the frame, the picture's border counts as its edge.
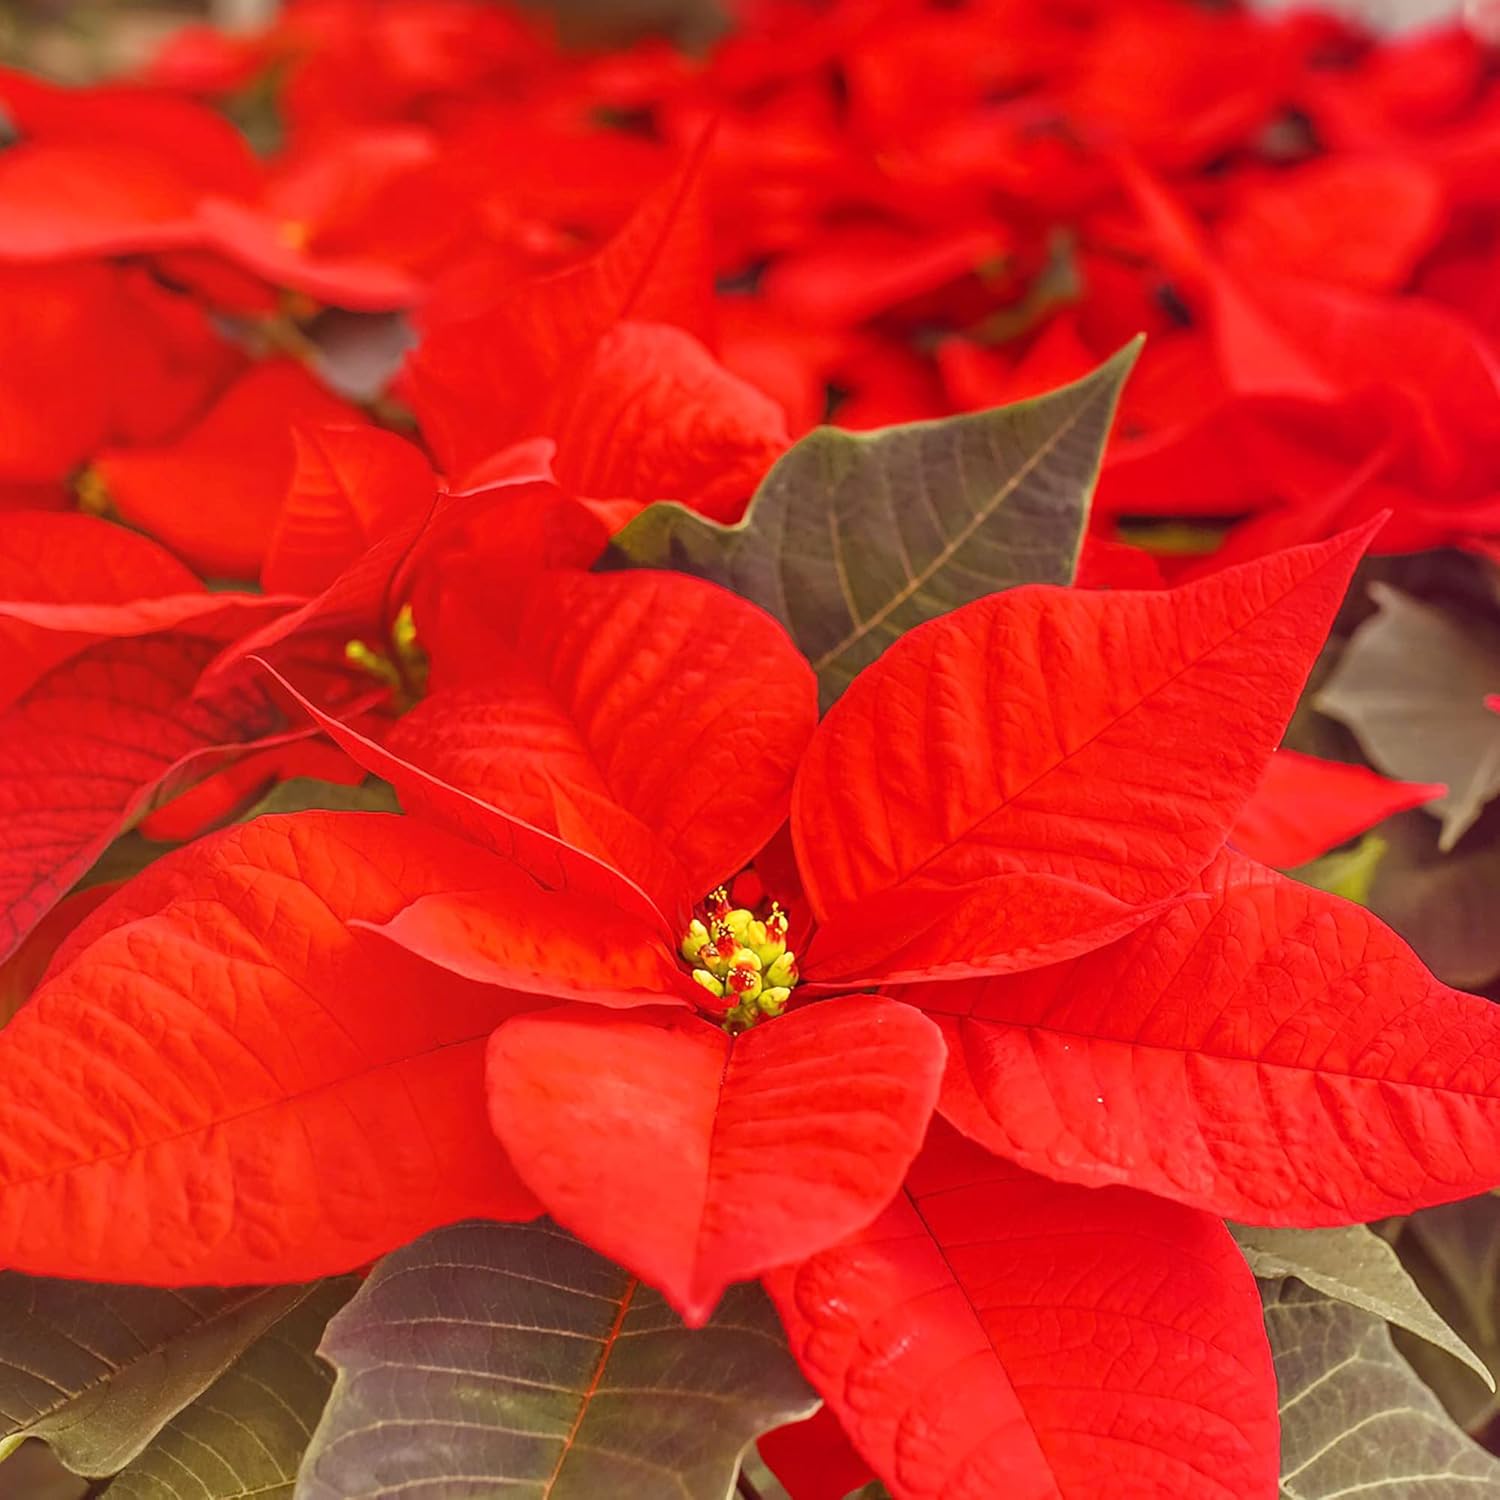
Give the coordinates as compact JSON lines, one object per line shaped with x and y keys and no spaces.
{"x":671,"y":814}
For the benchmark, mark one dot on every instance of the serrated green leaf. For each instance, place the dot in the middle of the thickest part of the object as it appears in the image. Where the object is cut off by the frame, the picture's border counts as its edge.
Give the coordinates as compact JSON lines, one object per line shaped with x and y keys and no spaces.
{"x":307,"y":793}
{"x":1355,"y":1266}
{"x":1355,"y":1419}
{"x":243,"y":1438}
{"x":96,"y":1370}
{"x":854,"y":538}
{"x":492,"y":1359}
{"x":1411,"y":686}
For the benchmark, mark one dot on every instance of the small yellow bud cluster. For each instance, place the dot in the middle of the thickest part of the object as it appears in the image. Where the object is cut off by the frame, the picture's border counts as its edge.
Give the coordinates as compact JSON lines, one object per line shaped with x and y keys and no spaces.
{"x":741,"y":959}
{"x":92,"y":493}
{"x":403,"y":668}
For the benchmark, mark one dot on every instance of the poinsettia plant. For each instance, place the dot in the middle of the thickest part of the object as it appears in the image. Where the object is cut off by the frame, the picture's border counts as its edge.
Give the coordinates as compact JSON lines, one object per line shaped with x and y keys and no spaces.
{"x":669,"y":814}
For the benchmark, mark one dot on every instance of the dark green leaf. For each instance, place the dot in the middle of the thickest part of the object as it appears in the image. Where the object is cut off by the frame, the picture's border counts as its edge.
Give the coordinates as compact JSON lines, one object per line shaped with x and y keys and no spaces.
{"x":1356,"y":1266}
{"x":302,"y":793}
{"x":509,"y":1359}
{"x":1411,"y":685}
{"x":853,"y":538}
{"x":124,"y":859}
{"x":1355,"y":1419}
{"x":243,"y":1438}
{"x":96,"y":1370}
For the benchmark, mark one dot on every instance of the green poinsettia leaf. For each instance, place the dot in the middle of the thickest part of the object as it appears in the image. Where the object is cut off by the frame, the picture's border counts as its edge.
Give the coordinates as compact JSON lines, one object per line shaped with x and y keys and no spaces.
{"x":491,"y":1359}
{"x":1411,"y":685}
{"x":1355,"y":1418}
{"x":243,"y":1438}
{"x":1356,"y":1266}
{"x":1349,"y":873}
{"x":854,"y":538}
{"x":96,"y":1371}
{"x":307,"y":793}
{"x":124,"y":859}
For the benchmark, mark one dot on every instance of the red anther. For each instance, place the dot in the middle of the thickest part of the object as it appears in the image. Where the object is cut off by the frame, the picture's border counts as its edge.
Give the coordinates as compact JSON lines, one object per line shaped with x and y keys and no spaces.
{"x":723,"y":941}
{"x":717,"y":905}
{"x":776,"y":925}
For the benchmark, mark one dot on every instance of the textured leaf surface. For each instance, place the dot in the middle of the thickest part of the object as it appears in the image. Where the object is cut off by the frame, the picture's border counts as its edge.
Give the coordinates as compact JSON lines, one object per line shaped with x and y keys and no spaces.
{"x":66,"y":557}
{"x":651,"y":413}
{"x":626,"y":714}
{"x":349,"y":486}
{"x":22,"y":971}
{"x":854,"y":538}
{"x":1411,"y":685}
{"x":1102,"y":742}
{"x":995,"y":1333}
{"x":84,"y":750}
{"x":96,"y":1370}
{"x":1358,"y":1267}
{"x":489,"y":1359}
{"x":228,"y":795}
{"x":221,"y":1082}
{"x":544,"y":857}
{"x":477,"y":383}
{"x":519,"y":933}
{"x":697,"y":1161}
{"x":1355,"y":1419}
{"x":365,"y":598}
{"x":1270,"y":1053}
{"x":245,"y":1436}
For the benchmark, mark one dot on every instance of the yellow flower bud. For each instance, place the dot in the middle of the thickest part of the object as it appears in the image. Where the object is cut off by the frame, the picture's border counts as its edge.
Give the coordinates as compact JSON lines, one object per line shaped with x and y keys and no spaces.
{"x":783,"y":972}
{"x":737,"y":921}
{"x":707,"y":980}
{"x":773,"y":1001}
{"x":694,"y":941}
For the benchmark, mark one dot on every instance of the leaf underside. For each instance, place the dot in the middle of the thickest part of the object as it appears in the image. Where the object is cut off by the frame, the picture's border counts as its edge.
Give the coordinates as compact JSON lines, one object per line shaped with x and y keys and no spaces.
{"x":489,"y":1358}
{"x":1355,"y":1419}
{"x":95,"y":1370}
{"x":243,"y":1438}
{"x":1356,"y":1266}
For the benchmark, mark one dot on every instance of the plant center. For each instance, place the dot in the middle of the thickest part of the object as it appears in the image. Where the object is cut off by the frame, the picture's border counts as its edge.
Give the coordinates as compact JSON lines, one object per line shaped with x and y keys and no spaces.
{"x":402,"y":666}
{"x":741,"y":960}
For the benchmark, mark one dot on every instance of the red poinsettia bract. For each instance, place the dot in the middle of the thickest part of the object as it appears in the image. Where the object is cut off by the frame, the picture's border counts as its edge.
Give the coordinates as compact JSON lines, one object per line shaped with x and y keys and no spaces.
{"x":300,"y":1042}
